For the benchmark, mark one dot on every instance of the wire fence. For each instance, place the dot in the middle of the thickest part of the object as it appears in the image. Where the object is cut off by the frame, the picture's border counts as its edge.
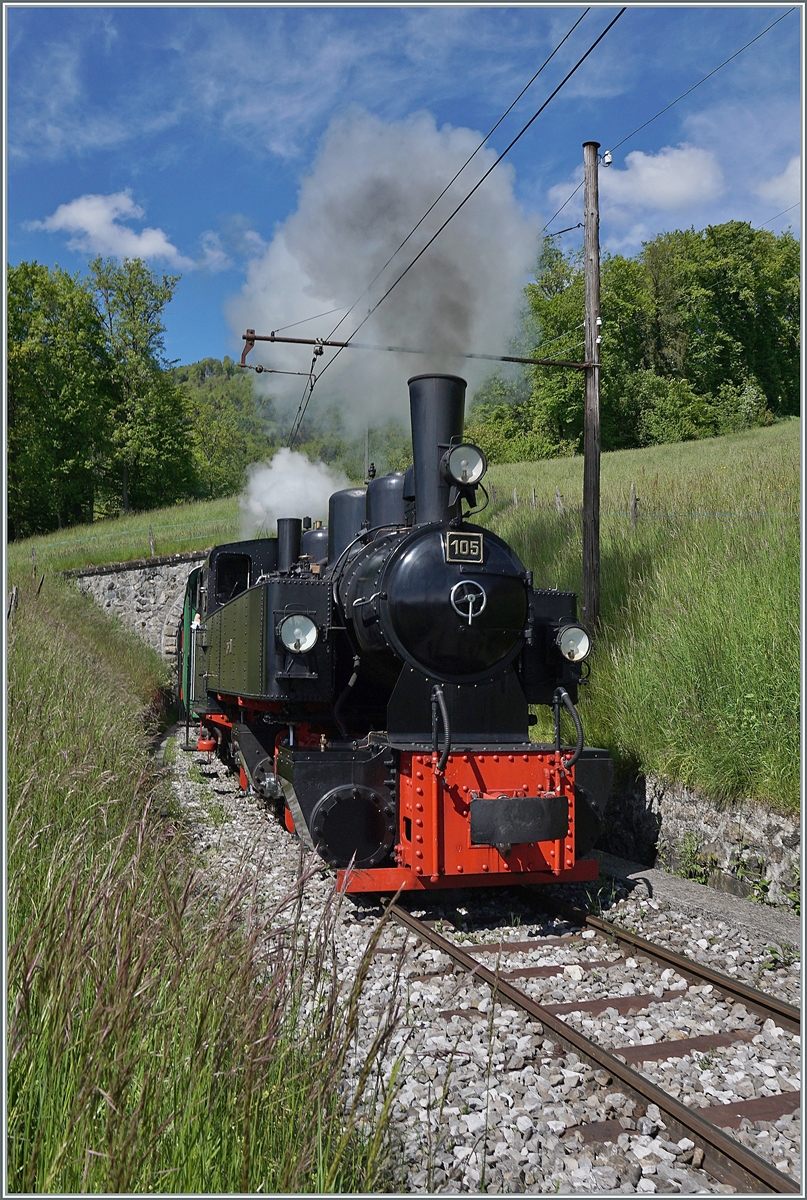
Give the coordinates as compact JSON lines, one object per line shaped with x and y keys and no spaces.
{"x":634,"y":510}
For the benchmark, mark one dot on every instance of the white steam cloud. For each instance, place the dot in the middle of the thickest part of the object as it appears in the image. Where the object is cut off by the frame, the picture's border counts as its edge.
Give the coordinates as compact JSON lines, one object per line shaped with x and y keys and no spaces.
{"x":370,"y":183}
{"x":289,"y":486}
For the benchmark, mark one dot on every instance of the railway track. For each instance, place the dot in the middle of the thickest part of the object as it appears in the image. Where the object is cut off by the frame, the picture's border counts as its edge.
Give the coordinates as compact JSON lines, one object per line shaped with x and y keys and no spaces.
{"x":714,"y":1150}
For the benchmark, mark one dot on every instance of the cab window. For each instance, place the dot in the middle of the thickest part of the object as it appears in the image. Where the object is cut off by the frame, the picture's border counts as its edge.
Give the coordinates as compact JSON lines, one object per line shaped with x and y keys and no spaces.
{"x":232,"y":576}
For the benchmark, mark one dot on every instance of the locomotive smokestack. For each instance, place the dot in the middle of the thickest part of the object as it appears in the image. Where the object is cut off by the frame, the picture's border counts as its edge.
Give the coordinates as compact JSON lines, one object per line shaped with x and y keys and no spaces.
{"x":437,"y":404}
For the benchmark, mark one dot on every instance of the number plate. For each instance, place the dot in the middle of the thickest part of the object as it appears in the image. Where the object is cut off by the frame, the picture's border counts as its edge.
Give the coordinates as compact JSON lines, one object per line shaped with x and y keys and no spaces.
{"x":464,"y":547}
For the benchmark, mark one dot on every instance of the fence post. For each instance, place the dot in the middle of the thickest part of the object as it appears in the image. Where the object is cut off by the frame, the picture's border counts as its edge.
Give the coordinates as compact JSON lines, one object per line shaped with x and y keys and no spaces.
{"x":492,"y":494}
{"x":33,"y":562}
{"x":634,"y":506}
{"x":558,"y":502}
{"x":515,"y":498}
{"x":13,"y":600}
{"x":151,"y":542}
{"x":533,"y":497}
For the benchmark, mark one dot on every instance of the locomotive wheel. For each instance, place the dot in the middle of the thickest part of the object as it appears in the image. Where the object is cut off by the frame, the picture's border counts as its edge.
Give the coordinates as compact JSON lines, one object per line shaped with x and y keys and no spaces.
{"x":353,"y":823}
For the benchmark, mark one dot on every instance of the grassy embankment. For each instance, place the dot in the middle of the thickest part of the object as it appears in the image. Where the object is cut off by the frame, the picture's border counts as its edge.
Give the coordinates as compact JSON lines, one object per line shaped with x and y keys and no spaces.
{"x":695,"y":672}
{"x":158,"y":1039}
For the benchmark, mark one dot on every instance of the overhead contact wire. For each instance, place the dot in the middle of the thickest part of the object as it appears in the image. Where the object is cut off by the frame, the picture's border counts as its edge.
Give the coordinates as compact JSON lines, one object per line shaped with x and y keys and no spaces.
{"x":464,"y":201}
{"x":700,"y":81}
{"x":672,"y":103}
{"x":454,"y":179}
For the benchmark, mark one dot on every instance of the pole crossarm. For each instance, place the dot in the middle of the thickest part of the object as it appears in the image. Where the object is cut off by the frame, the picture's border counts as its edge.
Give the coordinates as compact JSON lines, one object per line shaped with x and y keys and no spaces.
{"x":251,"y":337}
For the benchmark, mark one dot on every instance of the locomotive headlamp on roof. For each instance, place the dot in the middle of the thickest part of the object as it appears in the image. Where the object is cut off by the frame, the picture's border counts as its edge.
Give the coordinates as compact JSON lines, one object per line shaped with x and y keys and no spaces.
{"x":573,"y":642}
{"x":298,"y":633}
{"x":464,"y":465}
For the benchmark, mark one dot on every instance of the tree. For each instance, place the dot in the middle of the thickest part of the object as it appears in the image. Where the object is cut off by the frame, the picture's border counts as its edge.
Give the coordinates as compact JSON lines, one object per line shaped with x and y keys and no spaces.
{"x":700,"y":336}
{"x":227,"y":432}
{"x":151,"y":453}
{"x":58,"y":397}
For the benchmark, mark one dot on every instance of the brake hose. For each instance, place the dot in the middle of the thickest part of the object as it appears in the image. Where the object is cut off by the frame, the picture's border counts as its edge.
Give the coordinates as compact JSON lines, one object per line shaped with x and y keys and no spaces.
{"x":439,"y":700}
{"x":562,"y":696}
{"x":351,"y":683}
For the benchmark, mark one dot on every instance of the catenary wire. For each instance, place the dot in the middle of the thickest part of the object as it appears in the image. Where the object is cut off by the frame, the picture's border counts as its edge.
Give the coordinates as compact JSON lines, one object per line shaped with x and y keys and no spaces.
{"x":454,"y":179}
{"x":316,"y":317}
{"x":394,"y":284}
{"x":780,"y":214}
{"x":668,"y":107}
{"x":451,"y":181}
{"x":700,"y":81}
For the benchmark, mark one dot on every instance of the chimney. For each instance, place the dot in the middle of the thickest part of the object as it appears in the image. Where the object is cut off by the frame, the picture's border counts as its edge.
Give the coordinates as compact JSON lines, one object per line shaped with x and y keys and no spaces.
{"x":437,"y":404}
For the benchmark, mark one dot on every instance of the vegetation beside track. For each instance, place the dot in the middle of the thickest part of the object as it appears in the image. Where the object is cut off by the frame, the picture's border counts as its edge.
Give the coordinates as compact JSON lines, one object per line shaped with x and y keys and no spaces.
{"x":695,"y":672}
{"x":159,"y":1039}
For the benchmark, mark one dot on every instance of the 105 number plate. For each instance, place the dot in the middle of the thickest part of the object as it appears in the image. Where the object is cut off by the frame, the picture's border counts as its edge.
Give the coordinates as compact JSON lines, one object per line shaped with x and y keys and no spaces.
{"x":464,"y":547}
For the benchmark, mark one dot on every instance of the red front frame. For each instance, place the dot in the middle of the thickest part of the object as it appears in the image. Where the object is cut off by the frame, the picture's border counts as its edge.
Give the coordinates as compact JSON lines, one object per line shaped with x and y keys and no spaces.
{"x":434,"y":847}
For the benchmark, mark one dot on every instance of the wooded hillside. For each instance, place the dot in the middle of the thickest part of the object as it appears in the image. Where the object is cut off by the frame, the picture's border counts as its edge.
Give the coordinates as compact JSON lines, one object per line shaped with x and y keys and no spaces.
{"x":700,"y":337}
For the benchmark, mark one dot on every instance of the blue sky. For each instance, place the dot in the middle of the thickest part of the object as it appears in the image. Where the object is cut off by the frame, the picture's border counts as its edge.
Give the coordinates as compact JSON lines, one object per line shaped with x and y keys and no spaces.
{"x":191,"y":136}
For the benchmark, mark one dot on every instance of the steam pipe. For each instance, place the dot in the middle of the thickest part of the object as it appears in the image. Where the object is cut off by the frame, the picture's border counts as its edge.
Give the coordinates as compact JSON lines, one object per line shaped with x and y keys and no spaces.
{"x":289,"y":534}
{"x":439,"y":701}
{"x":562,"y":697}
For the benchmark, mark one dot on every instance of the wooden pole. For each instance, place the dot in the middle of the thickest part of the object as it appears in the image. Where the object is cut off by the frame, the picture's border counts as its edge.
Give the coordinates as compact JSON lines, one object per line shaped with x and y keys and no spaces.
{"x":591,"y":443}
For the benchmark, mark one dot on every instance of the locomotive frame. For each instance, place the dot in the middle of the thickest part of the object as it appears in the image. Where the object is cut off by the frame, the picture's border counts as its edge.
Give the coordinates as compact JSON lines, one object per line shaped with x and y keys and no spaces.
{"x":372,"y":680}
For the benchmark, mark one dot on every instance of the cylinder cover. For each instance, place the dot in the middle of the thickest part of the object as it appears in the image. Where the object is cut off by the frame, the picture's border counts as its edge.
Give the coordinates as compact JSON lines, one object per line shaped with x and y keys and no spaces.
{"x":353,"y":823}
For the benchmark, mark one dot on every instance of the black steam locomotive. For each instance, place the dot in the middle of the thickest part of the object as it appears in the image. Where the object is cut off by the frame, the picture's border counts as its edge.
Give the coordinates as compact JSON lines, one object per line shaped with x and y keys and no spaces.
{"x":373,"y":679}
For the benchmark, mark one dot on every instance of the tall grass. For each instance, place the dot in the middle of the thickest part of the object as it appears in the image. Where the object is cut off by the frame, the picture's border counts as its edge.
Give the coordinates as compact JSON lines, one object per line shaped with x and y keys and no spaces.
{"x":695,"y":672}
{"x":756,"y":471}
{"x":159,"y":1038}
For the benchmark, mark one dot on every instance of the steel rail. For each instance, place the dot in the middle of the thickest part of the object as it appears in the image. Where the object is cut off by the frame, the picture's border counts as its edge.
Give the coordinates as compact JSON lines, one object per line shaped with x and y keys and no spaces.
{"x":724,"y":1158}
{"x":783,"y":1013}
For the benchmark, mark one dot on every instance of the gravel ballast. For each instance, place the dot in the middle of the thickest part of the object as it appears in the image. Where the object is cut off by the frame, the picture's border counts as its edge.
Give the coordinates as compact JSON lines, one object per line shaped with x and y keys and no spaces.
{"x":486,"y":1098}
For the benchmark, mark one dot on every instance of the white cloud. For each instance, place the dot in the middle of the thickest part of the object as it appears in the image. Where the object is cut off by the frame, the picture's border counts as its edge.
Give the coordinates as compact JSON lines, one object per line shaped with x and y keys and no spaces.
{"x":675,"y":178}
{"x":214,"y":256}
{"x":784,"y":189}
{"x":650,"y":187}
{"x":94,"y":223}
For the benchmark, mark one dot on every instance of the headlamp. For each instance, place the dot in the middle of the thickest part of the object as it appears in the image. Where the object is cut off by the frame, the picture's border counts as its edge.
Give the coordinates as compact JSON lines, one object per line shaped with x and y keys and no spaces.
{"x":298,"y":633}
{"x":464,"y":465}
{"x":573,"y":642}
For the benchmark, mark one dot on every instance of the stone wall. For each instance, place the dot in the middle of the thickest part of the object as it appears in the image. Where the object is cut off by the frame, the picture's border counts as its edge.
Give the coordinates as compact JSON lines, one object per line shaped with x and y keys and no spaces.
{"x":740,"y":847}
{"x":147,"y":594}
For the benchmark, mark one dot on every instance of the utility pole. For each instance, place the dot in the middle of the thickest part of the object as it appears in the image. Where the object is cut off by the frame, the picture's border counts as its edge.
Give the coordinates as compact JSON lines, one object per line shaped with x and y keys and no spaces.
{"x":591,"y":436}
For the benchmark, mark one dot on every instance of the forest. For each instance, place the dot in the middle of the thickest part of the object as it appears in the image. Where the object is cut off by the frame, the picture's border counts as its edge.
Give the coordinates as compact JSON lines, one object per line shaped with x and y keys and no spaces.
{"x":700,"y":336}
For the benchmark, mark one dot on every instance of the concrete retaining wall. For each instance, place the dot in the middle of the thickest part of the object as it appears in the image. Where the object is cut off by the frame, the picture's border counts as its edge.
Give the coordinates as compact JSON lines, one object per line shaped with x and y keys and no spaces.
{"x":739,"y":847}
{"x":146,"y":594}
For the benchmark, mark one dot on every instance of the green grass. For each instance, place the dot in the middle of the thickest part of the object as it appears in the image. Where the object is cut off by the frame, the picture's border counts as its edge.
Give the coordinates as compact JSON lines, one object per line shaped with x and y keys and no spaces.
{"x":177,"y":528}
{"x":695,"y":670}
{"x":159,"y":1039}
{"x":751,"y":472}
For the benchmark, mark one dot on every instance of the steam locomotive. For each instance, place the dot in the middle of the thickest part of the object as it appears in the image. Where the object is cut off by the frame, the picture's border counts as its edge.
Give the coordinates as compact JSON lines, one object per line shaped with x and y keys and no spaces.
{"x":372,"y":678}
